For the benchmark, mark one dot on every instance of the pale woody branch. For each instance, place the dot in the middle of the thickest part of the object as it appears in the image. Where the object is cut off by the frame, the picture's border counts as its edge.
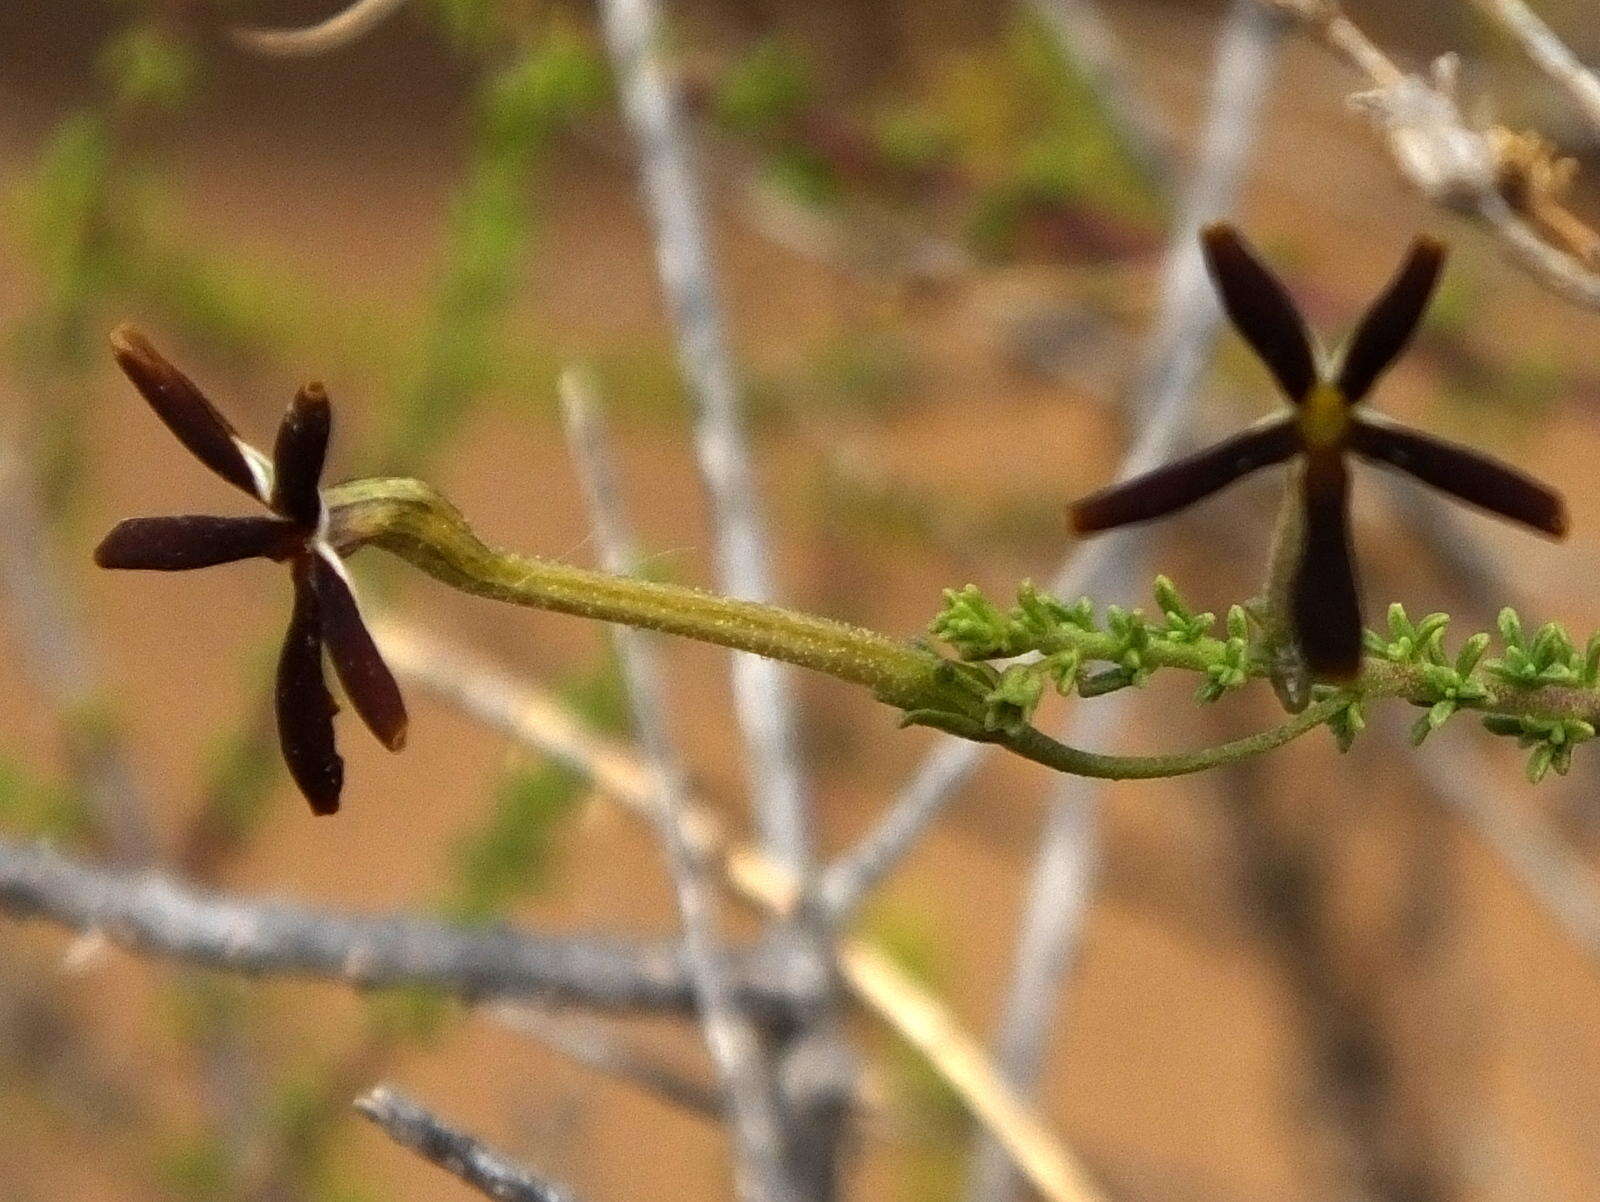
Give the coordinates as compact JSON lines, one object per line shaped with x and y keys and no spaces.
{"x":761,"y":1162}
{"x":1510,"y":182}
{"x":489,"y":1172}
{"x":464,"y":680}
{"x":345,"y":26}
{"x":150,"y":913}
{"x":1550,"y":54}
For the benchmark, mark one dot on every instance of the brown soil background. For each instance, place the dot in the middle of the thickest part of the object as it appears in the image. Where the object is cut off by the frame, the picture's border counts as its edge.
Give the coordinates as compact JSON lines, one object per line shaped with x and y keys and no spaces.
{"x":1180,"y":1068}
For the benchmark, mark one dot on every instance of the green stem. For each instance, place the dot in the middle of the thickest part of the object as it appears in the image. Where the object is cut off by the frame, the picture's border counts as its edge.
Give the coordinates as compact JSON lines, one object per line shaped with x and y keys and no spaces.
{"x":1031,"y":744}
{"x":410,"y":519}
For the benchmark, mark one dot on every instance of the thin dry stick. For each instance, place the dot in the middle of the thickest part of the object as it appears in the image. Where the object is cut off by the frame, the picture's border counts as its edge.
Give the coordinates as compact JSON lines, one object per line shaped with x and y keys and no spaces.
{"x":1086,"y":39}
{"x":1178,"y":350}
{"x":489,"y":1172}
{"x":762,"y":689}
{"x":760,"y":1160}
{"x":345,"y":26}
{"x":1460,"y":168}
{"x":487,"y":693}
{"x":1549,"y":53}
{"x":148,"y":912}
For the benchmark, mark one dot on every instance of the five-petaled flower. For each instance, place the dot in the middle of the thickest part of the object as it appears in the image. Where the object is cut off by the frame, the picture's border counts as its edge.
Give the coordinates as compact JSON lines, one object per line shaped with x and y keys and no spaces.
{"x":1327,"y":420}
{"x":325,"y":611}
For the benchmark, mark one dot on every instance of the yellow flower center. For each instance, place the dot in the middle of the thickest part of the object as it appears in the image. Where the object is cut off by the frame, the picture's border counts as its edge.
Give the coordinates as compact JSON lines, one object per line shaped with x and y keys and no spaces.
{"x":1324,"y":417}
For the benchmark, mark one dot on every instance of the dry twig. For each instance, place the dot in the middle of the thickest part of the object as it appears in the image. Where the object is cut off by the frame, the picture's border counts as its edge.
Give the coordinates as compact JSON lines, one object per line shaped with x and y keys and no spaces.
{"x":1509,"y":182}
{"x":760,"y":1156}
{"x":672,"y":193}
{"x":1549,"y":53}
{"x":532,"y":718}
{"x":151,"y":913}
{"x":489,"y":1172}
{"x":345,"y":26}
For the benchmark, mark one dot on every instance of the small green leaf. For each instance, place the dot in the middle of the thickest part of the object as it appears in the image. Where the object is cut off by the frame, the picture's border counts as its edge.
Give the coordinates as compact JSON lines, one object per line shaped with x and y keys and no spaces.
{"x":1011,"y":705}
{"x":1591,"y":661}
{"x":1400,"y":627}
{"x":1430,"y":636}
{"x":1062,"y":669}
{"x":1347,"y":723}
{"x":1168,"y":600}
{"x":1239,"y":623}
{"x":1471,"y":652}
{"x":1039,"y":612}
{"x":1510,"y":627}
{"x":973,"y":625}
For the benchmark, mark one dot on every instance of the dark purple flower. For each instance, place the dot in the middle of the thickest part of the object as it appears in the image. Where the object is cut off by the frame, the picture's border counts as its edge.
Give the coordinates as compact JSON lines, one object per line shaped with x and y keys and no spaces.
{"x":325,"y":612}
{"x":1326,"y":421}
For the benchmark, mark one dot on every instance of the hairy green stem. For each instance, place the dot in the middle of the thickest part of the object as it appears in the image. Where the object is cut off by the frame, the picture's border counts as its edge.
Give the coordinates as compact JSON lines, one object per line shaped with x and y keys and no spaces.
{"x":410,"y":519}
{"x":1031,"y":744}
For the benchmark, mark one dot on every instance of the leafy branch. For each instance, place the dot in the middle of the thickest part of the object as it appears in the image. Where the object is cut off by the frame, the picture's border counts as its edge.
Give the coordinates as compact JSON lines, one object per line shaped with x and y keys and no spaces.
{"x":1541,"y":690}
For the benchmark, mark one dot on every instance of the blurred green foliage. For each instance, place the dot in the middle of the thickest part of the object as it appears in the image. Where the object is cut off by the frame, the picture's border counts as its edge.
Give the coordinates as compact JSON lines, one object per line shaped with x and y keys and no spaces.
{"x":197,"y":1167}
{"x":519,"y":109}
{"x":35,"y":807}
{"x":765,"y":92}
{"x":513,"y":852}
{"x":1043,"y":143}
{"x":146,"y":67}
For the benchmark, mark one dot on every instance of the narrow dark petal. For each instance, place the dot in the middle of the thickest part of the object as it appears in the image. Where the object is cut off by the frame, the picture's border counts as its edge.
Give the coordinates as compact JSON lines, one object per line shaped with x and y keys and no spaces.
{"x":1260,"y":309}
{"x":1392,"y":319}
{"x":1463,"y":473}
{"x":1170,"y":488}
{"x":175,"y":544}
{"x":184,"y":409}
{"x":298,"y":456}
{"x":305,"y":707}
{"x":1325,"y":607}
{"x":366,"y":678}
